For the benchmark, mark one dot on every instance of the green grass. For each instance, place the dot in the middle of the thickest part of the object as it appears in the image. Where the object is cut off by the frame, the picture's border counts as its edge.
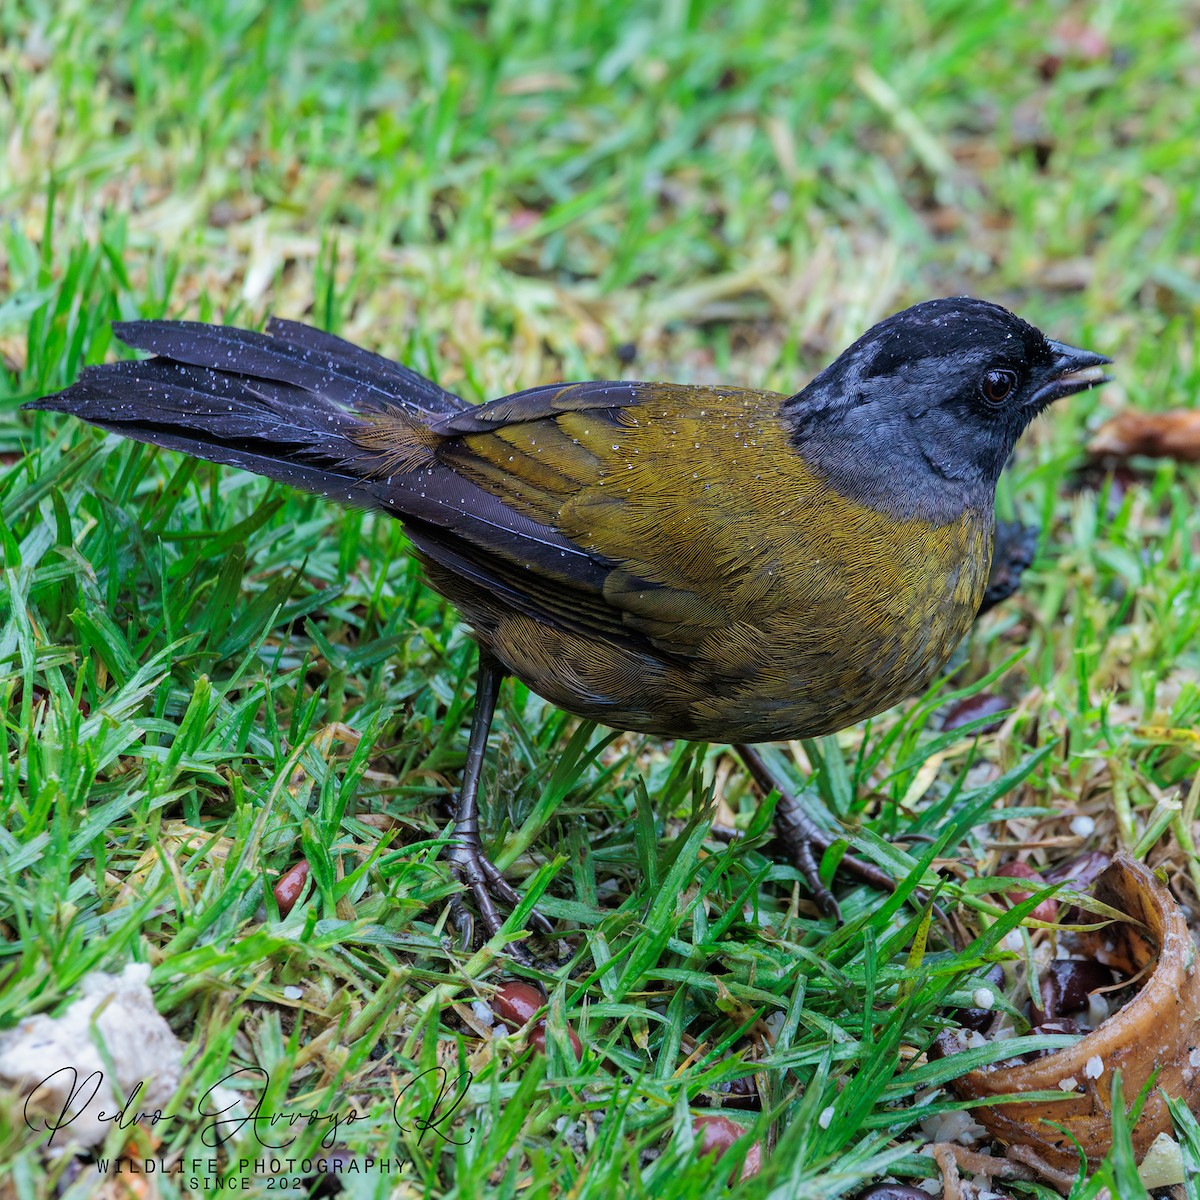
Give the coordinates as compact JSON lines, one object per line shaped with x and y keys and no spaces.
{"x":205,"y":677}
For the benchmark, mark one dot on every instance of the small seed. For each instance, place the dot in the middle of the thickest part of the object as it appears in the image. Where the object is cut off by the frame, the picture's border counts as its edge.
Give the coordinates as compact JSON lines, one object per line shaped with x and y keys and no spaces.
{"x":289,"y":887}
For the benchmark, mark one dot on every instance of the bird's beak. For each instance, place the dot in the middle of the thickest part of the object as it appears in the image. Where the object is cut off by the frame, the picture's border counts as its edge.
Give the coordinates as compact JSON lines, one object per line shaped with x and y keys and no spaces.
{"x":1073,"y":370}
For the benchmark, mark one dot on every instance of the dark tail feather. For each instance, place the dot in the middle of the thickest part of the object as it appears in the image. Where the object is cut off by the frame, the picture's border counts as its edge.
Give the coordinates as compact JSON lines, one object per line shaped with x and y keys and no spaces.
{"x":293,"y":353}
{"x":422,"y":392}
{"x":314,"y":412}
{"x":287,"y":405}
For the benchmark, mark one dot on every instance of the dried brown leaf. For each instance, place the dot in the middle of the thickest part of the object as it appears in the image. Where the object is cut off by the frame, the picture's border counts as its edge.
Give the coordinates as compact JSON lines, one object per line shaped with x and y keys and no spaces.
{"x":1174,"y":434}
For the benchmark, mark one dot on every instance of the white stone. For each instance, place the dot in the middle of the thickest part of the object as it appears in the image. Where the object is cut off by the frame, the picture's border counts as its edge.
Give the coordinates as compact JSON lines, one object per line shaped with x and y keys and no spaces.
{"x":54,"y":1065}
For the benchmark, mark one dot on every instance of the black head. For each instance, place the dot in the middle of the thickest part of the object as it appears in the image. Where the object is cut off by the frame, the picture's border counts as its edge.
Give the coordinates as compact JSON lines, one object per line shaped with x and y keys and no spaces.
{"x":919,"y":416}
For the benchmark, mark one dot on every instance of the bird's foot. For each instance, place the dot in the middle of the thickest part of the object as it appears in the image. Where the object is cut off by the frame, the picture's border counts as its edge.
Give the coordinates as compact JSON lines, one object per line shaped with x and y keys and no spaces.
{"x":474,"y":870}
{"x":805,"y":841}
{"x":1013,"y":550}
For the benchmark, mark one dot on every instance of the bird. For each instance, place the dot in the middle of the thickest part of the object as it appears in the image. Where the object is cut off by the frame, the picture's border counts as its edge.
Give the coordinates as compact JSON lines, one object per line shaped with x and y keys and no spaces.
{"x":690,"y":561}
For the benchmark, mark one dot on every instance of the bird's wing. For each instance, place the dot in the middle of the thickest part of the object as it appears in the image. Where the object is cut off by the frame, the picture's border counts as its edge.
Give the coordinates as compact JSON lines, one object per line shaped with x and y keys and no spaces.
{"x":667,"y":495}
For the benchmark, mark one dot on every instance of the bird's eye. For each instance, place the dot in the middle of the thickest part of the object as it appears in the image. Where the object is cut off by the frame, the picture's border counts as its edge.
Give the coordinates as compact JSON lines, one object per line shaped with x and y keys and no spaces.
{"x":997,"y":385}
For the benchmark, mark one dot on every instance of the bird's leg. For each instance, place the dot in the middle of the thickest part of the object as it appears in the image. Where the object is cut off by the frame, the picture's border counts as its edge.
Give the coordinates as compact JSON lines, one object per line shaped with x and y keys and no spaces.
{"x":805,"y":840}
{"x":1013,"y":550}
{"x":471,"y":866}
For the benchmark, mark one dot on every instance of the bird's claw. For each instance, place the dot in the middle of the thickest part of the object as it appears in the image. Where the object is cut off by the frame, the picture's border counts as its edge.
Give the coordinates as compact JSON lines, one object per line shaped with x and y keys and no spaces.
{"x":475,"y":871}
{"x":805,"y":841}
